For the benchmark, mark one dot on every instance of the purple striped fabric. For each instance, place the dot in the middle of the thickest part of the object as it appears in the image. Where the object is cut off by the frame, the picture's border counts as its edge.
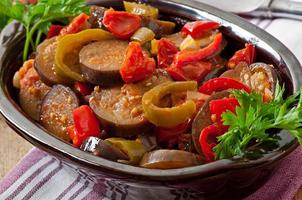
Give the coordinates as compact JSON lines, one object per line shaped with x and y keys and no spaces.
{"x":40,"y":176}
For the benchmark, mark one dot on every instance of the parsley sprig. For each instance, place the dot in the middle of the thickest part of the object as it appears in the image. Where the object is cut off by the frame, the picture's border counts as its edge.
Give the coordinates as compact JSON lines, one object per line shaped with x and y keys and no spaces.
{"x":37,"y":18}
{"x":253,"y":119}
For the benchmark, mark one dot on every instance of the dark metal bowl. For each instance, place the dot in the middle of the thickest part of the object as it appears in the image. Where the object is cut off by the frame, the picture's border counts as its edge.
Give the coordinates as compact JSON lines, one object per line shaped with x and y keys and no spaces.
{"x":229,"y":177}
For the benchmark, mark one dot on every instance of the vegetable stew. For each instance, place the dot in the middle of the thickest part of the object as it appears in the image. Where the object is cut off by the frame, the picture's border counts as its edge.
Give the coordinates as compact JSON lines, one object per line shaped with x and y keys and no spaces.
{"x":128,"y":86}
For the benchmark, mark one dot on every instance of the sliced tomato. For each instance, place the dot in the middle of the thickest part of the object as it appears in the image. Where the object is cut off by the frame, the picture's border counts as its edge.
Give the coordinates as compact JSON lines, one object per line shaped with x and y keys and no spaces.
{"x":78,"y":24}
{"x":121,"y":24}
{"x":186,"y":57}
{"x":220,"y":84}
{"x":246,"y":55}
{"x":219,"y":106}
{"x":193,"y":71}
{"x":198,"y":28}
{"x":166,"y":52}
{"x":54,"y":30}
{"x":137,"y":66}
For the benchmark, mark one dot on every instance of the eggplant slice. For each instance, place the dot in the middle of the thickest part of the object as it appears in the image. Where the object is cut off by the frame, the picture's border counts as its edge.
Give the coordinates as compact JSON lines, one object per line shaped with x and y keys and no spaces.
{"x":101,"y":62}
{"x":203,"y":118}
{"x":120,"y":109}
{"x":260,"y":77}
{"x":56,"y":110}
{"x":103,"y":149}
{"x":45,"y":63}
{"x":31,"y":96}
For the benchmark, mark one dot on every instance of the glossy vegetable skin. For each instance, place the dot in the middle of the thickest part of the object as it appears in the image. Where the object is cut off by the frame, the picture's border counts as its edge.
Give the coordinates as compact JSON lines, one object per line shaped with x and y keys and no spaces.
{"x":198,"y":28}
{"x":168,"y":117}
{"x":136,"y":66}
{"x":246,"y":54}
{"x":220,"y":84}
{"x":209,"y":133}
{"x":85,"y":125}
{"x":69,"y":46}
{"x":121,"y":24}
{"x":78,"y":24}
{"x":186,"y":57}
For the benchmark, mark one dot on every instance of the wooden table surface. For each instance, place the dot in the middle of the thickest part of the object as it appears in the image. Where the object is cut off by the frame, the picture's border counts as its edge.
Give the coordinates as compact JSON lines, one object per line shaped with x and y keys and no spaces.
{"x":13,"y":148}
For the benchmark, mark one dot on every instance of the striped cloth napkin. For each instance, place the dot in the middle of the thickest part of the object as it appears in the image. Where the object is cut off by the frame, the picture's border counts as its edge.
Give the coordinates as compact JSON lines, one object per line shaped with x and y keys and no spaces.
{"x":40,"y":176}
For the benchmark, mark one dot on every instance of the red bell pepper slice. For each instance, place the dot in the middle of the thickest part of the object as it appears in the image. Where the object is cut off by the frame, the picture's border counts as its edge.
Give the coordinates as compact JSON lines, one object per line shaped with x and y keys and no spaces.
{"x":78,"y":24}
{"x":246,"y":54}
{"x":220,"y":84}
{"x":83,"y":88}
{"x":207,"y":140}
{"x":166,"y":53}
{"x":85,"y":125}
{"x":121,"y":24}
{"x":219,"y":106}
{"x":169,"y":136}
{"x":186,"y":57}
{"x":136,"y":66}
{"x":54,"y":30}
{"x":198,"y":28}
{"x":193,"y":71}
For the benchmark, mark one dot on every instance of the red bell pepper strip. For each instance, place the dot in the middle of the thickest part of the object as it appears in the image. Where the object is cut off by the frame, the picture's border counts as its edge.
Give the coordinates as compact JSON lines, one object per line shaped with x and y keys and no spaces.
{"x":219,"y":106}
{"x":246,"y":54}
{"x":169,"y":136}
{"x":220,"y":84}
{"x":121,"y":24}
{"x":78,"y":24}
{"x":54,"y":30}
{"x":207,"y":140}
{"x":83,"y":88}
{"x":194,"y":71}
{"x":198,"y":28}
{"x":186,"y":57}
{"x":166,"y":53}
{"x":136,"y":66}
{"x":85,"y":125}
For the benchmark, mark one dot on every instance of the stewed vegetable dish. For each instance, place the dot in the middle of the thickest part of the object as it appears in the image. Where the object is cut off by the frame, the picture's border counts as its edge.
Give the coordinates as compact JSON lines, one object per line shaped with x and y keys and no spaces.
{"x":130,"y":86}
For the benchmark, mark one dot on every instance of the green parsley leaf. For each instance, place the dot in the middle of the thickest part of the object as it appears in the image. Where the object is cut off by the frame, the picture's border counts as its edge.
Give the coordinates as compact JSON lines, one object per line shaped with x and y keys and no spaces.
{"x":37,"y":18}
{"x":253,"y":118}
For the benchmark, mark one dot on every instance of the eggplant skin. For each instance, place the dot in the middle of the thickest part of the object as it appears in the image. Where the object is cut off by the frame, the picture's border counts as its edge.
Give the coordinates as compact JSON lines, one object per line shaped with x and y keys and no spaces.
{"x":119,"y":109}
{"x":31,"y":96}
{"x":101,"y":62}
{"x":45,"y":61}
{"x":203,"y":118}
{"x":56,"y":110}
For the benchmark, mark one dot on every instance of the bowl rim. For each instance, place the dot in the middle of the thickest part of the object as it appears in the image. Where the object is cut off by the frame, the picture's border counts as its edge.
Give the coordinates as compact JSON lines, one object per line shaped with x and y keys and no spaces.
{"x":32,"y":132}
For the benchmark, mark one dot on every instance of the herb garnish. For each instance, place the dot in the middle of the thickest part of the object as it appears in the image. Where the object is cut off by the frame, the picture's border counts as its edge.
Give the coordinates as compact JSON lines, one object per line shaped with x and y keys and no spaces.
{"x":37,"y":18}
{"x":254,"y":117}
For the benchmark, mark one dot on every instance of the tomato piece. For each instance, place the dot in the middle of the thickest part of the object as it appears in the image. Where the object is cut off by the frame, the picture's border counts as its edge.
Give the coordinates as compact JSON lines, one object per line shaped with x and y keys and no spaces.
{"x":78,"y":24}
{"x":208,"y":140}
{"x":85,"y":125}
{"x":166,"y":52}
{"x":54,"y":30}
{"x":83,"y":88}
{"x":169,"y":136}
{"x":121,"y":24}
{"x":198,"y":28}
{"x":186,"y":57}
{"x":193,"y":71}
{"x":136,"y":66}
{"x":219,"y":106}
{"x":246,"y":54}
{"x":220,"y":84}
